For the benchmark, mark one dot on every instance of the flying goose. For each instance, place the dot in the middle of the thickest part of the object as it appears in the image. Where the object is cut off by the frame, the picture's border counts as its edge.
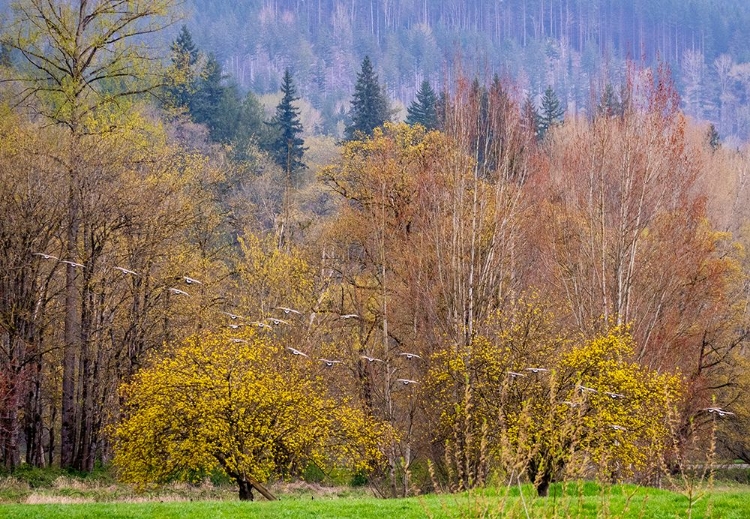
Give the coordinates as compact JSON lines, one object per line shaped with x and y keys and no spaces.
{"x":126,"y":271}
{"x":288,"y":310}
{"x":719,"y":411}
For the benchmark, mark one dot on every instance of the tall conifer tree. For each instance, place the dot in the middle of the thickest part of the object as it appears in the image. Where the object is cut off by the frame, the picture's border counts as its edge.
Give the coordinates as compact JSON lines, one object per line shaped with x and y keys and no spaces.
{"x":369,"y":105}
{"x":288,"y":147}
{"x":181,"y":79}
{"x":552,"y":111}
{"x":424,"y":108}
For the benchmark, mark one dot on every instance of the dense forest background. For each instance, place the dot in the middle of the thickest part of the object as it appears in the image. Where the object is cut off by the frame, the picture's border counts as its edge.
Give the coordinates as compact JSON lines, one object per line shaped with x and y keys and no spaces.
{"x":576,"y":46}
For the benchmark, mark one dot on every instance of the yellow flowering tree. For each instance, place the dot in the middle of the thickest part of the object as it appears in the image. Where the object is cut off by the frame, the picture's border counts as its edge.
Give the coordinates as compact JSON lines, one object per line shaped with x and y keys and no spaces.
{"x":549,"y":407}
{"x":238,"y":404}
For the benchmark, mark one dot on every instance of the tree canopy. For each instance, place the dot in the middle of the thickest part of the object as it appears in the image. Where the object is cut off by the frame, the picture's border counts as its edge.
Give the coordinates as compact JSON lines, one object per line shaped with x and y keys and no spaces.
{"x":243,"y":405}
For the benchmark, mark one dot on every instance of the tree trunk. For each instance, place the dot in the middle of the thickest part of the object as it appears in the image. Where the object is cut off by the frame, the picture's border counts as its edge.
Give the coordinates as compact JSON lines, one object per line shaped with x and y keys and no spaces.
{"x":246,"y":490}
{"x":72,"y":339}
{"x":542,"y":484}
{"x":540,"y":475}
{"x":247,"y":484}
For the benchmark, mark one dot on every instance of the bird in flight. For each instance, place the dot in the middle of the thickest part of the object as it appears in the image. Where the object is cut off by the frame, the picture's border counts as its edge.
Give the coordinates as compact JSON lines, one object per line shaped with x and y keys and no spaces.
{"x":235,"y":326}
{"x":406,"y":381}
{"x":261,"y":325}
{"x":46,"y":256}
{"x":350,"y":316}
{"x":329,"y":363}
{"x":72,"y":263}
{"x":584,"y":389}
{"x":239,"y":340}
{"x":232,"y":316}
{"x":288,"y":310}
{"x":296,"y":351}
{"x":410,"y":356}
{"x":719,"y":411}
{"x":617,"y":427}
{"x":178,"y":292}
{"x":277,"y":322}
{"x":614,"y":395}
{"x":370,"y":359}
{"x":515,"y":374}
{"x":537,"y":370}
{"x":191,"y":281}
{"x":126,"y":271}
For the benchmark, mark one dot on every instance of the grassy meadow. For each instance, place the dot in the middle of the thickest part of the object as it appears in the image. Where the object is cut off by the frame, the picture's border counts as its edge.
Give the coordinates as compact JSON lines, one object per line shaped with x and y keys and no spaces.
{"x":69,"y":500}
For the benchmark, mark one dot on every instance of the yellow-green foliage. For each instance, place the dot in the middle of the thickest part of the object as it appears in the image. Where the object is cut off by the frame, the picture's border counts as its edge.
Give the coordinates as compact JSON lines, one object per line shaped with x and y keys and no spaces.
{"x":594,"y":407}
{"x":249,"y":409}
{"x":271,"y":276}
{"x":606,"y":365}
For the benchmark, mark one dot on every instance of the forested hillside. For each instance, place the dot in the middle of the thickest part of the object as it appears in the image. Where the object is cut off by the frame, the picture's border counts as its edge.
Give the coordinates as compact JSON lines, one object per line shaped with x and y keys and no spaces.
{"x":576,"y":46}
{"x":193,"y":285}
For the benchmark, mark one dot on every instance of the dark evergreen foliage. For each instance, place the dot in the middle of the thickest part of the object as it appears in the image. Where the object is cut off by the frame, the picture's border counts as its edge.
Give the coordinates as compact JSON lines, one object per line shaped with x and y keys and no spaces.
{"x":610,"y":105}
{"x":585,"y":41}
{"x":551,"y":113}
{"x":369,"y":105}
{"x":714,"y":140}
{"x":209,"y":91}
{"x":251,"y":126}
{"x":184,"y":45}
{"x":423,"y":109}
{"x":216,"y":104}
{"x":287,"y":147}
{"x":181,"y":81}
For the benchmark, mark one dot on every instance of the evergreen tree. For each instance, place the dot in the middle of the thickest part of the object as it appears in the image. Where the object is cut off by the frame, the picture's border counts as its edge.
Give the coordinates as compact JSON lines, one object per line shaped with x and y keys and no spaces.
{"x":184,"y":45}
{"x":215,"y":104}
{"x":287,"y":148}
{"x":552,"y":112}
{"x":423,"y":109}
{"x":609,"y":105}
{"x":251,"y":124}
{"x":181,"y":77}
{"x":714,"y":140}
{"x":369,"y":105}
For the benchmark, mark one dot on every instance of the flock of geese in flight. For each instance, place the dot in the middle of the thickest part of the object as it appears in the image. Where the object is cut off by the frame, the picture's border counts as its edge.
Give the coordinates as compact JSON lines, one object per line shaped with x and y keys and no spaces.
{"x":329,"y":363}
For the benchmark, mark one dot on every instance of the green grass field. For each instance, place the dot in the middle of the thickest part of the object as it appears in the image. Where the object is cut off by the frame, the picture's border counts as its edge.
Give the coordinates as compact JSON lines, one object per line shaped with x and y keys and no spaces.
{"x":574,"y":501}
